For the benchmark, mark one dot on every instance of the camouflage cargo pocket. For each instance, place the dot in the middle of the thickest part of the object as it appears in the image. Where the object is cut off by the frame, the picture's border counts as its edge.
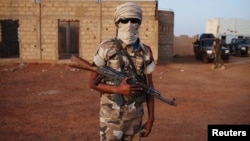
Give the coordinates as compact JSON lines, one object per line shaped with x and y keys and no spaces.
{"x":109,"y":109}
{"x":131,"y":111}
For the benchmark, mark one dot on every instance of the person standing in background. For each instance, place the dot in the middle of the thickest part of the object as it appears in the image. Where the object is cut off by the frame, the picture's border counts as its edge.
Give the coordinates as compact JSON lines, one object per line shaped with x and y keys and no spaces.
{"x":218,"y":62}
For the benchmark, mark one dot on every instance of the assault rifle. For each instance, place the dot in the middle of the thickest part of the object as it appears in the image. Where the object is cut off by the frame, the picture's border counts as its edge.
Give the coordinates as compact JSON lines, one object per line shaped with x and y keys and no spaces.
{"x":112,"y":74}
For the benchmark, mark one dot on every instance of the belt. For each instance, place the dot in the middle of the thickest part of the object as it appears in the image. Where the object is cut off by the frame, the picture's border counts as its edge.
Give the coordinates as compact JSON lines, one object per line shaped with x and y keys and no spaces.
{"x":127,"y":99}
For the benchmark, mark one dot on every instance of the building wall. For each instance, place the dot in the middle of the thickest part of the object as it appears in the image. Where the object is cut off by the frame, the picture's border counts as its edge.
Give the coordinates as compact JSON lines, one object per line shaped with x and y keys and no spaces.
{"x":26,"y":13}
{"x":183,"y":45}
{"x":166,"y":34}
{"x":38,"y":25}
{"x":230,"y":28}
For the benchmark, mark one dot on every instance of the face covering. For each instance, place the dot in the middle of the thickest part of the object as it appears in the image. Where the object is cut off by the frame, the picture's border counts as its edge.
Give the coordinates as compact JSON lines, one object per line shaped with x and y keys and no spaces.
{"x":128,"y":32}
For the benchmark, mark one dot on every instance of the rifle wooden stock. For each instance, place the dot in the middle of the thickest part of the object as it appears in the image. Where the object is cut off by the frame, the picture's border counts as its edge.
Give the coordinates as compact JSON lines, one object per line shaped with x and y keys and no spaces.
{"x":77,"y":62}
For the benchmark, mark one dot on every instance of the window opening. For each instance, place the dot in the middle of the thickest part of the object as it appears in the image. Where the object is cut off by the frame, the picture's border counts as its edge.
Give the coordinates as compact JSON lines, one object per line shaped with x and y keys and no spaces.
{"x":68,"y":38}
{"x":9,"y":45}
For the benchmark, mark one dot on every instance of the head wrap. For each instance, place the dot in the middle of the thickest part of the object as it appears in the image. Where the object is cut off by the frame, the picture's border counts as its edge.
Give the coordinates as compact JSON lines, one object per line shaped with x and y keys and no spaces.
{"x":127,"y":10}
{"x":217,"y":40}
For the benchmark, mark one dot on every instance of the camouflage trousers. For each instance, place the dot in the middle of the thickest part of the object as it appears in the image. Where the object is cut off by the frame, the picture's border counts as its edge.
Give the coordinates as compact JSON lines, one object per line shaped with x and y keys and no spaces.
{"x":119,"y":123}
{"x":218,"y":60}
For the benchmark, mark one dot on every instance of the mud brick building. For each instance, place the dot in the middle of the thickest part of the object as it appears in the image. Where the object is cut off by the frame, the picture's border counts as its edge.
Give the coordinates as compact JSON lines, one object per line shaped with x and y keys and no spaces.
{"x":53,"y":30}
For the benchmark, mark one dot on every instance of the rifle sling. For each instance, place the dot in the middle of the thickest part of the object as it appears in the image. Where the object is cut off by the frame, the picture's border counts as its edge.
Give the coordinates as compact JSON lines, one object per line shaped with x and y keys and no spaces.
{"x":119,"y":98}
{"x":142,"y":97}
{"x":121,"y":49}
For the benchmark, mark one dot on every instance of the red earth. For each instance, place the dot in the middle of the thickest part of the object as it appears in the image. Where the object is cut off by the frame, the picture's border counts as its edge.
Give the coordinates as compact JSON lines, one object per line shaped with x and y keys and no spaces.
{"x":52,"y":102}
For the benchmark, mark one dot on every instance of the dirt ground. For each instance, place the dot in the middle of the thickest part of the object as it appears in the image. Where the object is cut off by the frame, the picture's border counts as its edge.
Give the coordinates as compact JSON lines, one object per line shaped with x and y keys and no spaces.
{"x":52,"y":102}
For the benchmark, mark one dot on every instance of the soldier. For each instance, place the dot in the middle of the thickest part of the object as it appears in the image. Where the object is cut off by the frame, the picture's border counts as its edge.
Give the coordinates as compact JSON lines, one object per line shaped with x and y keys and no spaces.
{"x":121,"y":105}
{"x":218,"y":62}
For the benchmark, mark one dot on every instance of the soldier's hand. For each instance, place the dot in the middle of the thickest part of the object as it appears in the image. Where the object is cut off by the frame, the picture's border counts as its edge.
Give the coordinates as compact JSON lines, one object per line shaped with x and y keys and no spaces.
{"x":129,"y":89}
{"x":146,"y":129}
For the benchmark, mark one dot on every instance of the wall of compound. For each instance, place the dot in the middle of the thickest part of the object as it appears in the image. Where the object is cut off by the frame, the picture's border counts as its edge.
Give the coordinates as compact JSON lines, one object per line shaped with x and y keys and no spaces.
{"x":26,"y":13}
{"x":166,"y":34}
{"x":38,"y":25}
{"x":183,"y":45}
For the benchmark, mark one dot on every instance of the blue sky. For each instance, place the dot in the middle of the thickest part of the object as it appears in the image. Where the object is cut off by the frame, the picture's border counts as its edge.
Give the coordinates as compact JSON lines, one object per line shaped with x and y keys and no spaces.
{"x":191,"y":15}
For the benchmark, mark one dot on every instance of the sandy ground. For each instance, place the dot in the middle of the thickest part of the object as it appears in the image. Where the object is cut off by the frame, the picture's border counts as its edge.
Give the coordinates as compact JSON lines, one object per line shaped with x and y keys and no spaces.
{"x":52,"y":102}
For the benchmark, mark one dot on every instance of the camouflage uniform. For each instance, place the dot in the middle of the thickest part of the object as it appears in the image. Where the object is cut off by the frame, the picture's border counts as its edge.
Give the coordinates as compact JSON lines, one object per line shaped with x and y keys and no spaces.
{"x":121,"y":122}
{"x":218,"y":62}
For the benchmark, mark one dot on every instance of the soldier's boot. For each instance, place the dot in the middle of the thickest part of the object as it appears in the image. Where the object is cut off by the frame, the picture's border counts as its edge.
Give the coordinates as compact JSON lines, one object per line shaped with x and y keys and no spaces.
{"x":222,"y":67}
{"x":214,"y":66}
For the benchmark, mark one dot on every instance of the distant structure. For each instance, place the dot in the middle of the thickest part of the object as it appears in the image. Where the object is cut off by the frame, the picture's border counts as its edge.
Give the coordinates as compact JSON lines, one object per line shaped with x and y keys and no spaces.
{"x":228,"y":28}
{"x":166,"y":34}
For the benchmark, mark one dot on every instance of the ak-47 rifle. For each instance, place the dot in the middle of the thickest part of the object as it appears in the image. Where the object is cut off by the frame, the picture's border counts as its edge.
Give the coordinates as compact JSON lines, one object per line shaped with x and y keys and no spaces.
{"x":112,"y":74}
